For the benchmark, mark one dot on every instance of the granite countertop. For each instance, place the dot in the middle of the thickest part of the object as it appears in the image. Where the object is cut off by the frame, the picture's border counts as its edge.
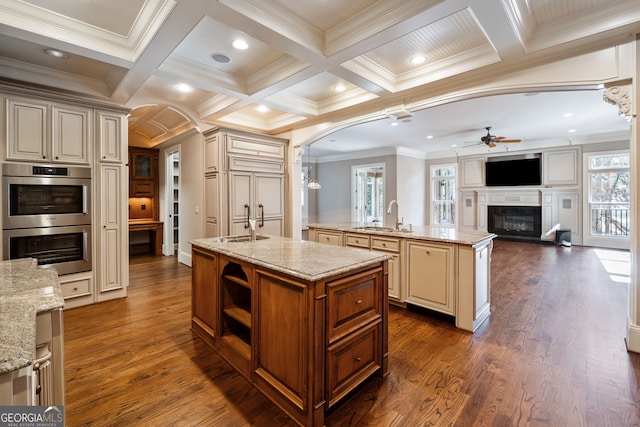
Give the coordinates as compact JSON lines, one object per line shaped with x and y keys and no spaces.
{"x":427,"y":233}
{"x":25,"y":291}
{"x":298,"y":258}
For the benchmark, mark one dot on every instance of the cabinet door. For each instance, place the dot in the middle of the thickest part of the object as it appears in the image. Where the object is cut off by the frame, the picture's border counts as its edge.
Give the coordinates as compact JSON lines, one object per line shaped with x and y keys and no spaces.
{"x":71,"y":130}
{"x":111,"y":137}
{"x":27,"y":130}
{"x":211,"y":205}
{"x":141,"y":188}
{"x":394,"y":278}
{"x":430,"y":270}
{"x":240,"y":197}
{"x":212,"y":153}
{"x":204,"y":296}
{"x":112,"y":238}
{"x":269,"y":203}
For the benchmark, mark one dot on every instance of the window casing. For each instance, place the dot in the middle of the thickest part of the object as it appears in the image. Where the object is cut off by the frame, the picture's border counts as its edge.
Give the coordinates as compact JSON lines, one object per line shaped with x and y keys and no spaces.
{"x":443,"y":195}
{"x":608,"y":180}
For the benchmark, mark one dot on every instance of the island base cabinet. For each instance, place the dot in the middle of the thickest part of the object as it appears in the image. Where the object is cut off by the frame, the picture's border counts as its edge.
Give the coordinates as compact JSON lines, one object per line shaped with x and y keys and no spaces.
{"x":288,"y":348}
{"x":305,"y":344}
{"x":430,"y":272}
{"x":474,"y":290}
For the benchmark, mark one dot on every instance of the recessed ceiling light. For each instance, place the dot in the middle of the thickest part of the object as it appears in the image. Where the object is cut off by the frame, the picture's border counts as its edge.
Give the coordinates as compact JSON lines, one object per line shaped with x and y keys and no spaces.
{"x":262,"y":108}
{"x":567,"y":115}
{"x":339,"y":88}
{"x":571,"y":130}
{"x":220,"y":58}
{"x":454,"y":145}
{"x":394,"y":124}
{"x":240,"y":44}
{"x":56,"y":53}
{"x":429,"y":136}
{"x":183,"y":87}
{"x":418,"y":59}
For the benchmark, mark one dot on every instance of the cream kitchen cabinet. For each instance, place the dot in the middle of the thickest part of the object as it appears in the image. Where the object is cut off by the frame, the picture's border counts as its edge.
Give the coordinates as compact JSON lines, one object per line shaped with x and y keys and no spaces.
{"x":212,"y":201}
{"x":329,"y":237}
{"x":112,"y":236}
{"x":44,"y":131}
{"x":256,"y":196}
{"x":388,"y":245}
{"x":111,"y":136}
{"x":244,"y":179}
{"x":430,"y":275}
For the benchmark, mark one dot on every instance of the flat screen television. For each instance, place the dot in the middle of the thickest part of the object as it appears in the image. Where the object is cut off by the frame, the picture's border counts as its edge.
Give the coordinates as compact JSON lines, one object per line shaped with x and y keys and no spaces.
{"x":513,"y":171}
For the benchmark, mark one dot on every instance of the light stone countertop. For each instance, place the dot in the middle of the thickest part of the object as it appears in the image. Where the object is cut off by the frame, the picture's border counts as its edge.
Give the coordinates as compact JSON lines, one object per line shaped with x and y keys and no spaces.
{"x":25,"y":291}
{"x":298,"y":258}
{"x":427,"y":233}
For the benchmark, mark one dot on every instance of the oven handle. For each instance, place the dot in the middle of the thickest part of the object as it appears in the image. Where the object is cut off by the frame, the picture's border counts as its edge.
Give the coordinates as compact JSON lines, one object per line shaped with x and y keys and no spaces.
{"x":85,"y":210}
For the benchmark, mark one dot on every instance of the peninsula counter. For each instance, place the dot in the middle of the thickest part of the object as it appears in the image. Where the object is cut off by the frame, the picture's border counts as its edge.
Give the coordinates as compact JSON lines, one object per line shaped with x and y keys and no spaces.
{"x":439,"y":268}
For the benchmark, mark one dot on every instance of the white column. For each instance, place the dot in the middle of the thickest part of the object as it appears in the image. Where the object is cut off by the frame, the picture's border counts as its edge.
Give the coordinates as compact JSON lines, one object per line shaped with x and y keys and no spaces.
{"x":623,"y":95}
{"x":633,"y":323}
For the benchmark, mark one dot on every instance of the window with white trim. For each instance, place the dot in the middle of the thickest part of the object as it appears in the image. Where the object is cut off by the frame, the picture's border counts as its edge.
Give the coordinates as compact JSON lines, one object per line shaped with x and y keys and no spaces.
{"x":608,"y":179}
{"x":443,"y":195}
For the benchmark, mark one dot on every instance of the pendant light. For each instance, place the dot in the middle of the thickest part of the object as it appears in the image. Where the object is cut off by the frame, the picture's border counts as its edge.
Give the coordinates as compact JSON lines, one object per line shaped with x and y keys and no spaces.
{"x":312,"y":184}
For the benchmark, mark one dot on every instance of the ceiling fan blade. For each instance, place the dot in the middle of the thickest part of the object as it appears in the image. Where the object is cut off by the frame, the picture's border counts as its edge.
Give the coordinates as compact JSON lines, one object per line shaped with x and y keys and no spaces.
{"x":491,"y":144}
{"x":509,"y":140}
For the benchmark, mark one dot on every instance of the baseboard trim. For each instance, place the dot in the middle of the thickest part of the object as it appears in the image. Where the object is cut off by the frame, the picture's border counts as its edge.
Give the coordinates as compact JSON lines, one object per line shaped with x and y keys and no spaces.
{"x":633,"y":337}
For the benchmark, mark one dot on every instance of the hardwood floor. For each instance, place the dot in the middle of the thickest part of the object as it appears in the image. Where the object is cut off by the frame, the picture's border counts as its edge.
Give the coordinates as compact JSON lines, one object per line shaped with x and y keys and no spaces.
{"x":551,"y":354}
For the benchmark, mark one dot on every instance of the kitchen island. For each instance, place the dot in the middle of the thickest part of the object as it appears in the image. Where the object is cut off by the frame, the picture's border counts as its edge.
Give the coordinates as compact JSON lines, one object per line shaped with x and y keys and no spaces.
{"x":438,"y":268}
{"x":31,"y":335}
{"x":304,"y":322}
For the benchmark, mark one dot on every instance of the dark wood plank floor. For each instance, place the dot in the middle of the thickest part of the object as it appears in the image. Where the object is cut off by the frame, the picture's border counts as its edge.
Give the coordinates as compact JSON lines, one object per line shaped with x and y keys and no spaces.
{"x":551,"y":354}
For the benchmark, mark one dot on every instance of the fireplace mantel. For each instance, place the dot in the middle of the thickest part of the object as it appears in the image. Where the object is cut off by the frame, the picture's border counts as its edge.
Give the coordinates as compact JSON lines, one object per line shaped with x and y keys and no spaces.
{"x":560,"y":208}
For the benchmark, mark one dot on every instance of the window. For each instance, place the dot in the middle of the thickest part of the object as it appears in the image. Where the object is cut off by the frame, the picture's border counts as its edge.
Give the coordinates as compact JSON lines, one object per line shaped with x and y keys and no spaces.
{"x":443,"y":195}
{"x":367,"y":199}
{"x":608,"y":179}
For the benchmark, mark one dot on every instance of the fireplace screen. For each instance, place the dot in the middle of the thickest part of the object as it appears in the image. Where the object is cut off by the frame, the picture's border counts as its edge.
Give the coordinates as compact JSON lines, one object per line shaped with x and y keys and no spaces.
{"x":516,"y":221}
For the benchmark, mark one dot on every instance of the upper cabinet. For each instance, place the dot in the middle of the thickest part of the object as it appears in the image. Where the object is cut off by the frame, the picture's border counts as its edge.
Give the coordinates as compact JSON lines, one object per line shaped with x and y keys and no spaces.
{"x":112,"y":136}
{"x":472,"y":172}
{"x":143,"y":172}
{"x":44,"y":131}
{"x":561,"y":167}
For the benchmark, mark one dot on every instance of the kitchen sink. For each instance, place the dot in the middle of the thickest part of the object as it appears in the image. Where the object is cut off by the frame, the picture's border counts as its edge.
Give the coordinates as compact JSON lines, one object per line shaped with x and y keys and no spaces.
{"x":374,"y":228}
{"x":388,"y":229}
{"x":234,"y":239}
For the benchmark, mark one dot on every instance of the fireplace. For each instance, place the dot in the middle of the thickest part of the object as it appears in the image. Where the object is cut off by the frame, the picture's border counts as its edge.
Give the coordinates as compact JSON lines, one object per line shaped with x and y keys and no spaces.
{"x":518,"y":222}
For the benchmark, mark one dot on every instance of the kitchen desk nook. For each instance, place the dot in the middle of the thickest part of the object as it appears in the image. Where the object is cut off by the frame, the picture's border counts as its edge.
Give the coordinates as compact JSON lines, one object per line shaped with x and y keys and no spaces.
{"x":438,"y":268}
{"x":305,"y":323}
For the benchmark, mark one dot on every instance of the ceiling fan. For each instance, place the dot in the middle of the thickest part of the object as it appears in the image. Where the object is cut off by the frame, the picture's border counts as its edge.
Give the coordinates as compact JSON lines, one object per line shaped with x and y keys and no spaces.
{"x":491,"y":140}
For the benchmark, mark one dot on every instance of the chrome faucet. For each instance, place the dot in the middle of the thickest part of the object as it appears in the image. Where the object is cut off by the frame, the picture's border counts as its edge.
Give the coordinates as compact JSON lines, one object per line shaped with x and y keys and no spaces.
{"x":398,"y":221}
{"x":252,"y":225}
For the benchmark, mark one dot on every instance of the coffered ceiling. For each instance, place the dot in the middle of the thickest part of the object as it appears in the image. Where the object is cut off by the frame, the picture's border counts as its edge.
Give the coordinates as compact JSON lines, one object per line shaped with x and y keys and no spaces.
{"x":297,"y":54}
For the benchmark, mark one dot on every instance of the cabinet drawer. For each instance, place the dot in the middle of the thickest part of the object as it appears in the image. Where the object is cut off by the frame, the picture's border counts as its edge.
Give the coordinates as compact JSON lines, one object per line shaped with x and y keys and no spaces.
{"x":329,"y":237}
{"x":382,"y":244}
{"x":76,"y":288}
{"x":351,"y":361}
{"x":357,"y":240}
{"x":352,"y":302}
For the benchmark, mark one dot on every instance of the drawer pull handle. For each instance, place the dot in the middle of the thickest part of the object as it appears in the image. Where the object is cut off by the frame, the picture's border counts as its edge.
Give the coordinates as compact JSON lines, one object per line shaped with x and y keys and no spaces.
{"x":384,"y":244}
{"x":359,"y":301}
{"x":358,"y":359}
{"x":75,"y":289}
{"x":428,"y":253}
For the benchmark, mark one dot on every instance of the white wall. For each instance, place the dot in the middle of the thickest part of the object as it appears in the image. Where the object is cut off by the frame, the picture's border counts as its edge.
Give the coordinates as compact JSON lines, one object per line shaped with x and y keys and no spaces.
{"x":412,"y":189}
{"x":191,"y":210}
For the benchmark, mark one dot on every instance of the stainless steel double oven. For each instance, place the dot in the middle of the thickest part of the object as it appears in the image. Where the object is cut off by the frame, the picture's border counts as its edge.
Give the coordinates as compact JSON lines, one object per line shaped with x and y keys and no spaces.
{"x":46,"y":214}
